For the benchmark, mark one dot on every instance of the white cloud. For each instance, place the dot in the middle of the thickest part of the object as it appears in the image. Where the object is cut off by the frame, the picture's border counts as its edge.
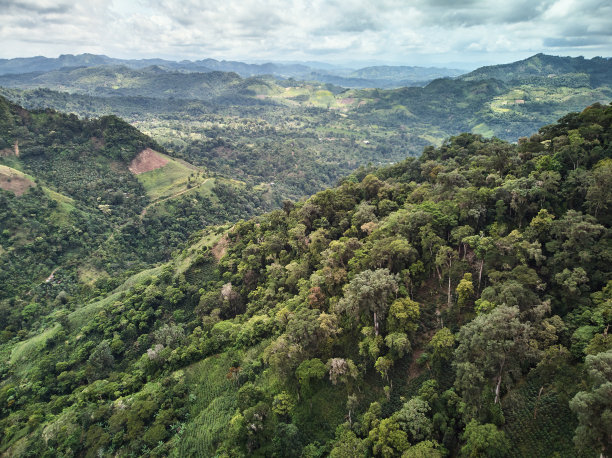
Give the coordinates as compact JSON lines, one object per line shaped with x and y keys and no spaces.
{"x":402,"y":31}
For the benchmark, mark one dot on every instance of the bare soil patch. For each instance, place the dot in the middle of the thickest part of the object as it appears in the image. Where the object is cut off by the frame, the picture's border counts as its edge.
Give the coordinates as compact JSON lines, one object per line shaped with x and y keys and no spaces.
{"x":146,"y":161}
{"x":14,"y":182}
{"x":220,"y":248}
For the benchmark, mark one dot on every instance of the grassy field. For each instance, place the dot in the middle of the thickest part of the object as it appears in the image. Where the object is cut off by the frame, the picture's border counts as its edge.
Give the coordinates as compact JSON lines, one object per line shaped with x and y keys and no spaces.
{"x":169,"y":180}
{"x":23,"y":351}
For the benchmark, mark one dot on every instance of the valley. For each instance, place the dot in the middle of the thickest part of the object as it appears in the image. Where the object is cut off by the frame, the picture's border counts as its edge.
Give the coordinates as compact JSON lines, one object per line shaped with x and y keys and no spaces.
{"x":318,"y":133}
{"x":196,"y":262}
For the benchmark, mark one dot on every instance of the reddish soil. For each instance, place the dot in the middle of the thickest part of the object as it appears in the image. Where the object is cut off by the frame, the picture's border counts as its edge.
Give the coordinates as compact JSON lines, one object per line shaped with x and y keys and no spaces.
{"x":146,"y":161}
{"x":13,"y":182}
{"x":347,"y":101}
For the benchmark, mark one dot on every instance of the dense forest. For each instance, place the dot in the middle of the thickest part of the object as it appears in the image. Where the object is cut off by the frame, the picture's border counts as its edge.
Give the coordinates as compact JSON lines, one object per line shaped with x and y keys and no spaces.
{"x":454,"y":304}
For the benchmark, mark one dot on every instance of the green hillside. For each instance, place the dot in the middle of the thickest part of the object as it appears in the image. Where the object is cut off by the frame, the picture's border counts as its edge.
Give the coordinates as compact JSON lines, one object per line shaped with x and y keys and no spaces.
{"x":123,"y":81}
{"x":170,"y":178}
{"x":550,"y":67}
{"x":75,"y":219}
{"x":379,"y":76}
{"x":305,"y":136}
{"x":455,"y":304}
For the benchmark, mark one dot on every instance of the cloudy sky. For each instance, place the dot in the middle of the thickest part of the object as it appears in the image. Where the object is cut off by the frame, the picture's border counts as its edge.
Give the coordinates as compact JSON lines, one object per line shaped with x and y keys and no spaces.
{"x":461,"y":33}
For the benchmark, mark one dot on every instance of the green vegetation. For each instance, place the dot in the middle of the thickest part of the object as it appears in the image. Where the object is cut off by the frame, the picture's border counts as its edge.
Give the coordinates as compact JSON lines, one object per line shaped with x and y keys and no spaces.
{"x":455,"y":304}
{"x":169,"y":180}
{"x":72,"y":210}
{"x":381,"y":76}
{"x":305,"y":136}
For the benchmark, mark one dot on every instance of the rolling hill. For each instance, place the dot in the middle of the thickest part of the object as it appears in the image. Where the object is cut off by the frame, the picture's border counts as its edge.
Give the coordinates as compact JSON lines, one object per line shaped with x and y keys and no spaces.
{"x":381,"y":76}
{"x":289,"y":138}
{"x":541,"y":65}
{"x":453,"y":304}
{"x":111,"y":81}
{"x":90,"y":199}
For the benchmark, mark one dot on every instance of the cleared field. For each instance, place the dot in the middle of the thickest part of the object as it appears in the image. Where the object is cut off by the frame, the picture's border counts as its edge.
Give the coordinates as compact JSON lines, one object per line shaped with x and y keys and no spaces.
{"x":14,"y":181}
{"x":170,"y":179}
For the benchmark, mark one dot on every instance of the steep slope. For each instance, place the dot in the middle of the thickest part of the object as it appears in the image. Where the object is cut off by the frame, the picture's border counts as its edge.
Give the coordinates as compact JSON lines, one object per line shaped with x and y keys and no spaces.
{"x":75,"y":183}
{"x":82,"y":204}
{"x":453,"y":304}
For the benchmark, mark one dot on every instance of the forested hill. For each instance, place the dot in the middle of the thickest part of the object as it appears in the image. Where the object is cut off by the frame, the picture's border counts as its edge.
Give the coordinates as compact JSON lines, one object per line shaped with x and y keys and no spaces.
{"x":152,"y":81}
{"x":380,"y":76}
{"x":84,"y":202}
{"x":542,"y":65}
{"x":316,"y":133}
{"x":455,"y":304}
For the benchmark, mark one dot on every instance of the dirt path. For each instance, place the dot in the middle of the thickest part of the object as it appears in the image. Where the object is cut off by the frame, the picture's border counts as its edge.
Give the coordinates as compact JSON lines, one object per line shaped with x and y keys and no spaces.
{"x":52,"y":276}
{"x":144,"y":210}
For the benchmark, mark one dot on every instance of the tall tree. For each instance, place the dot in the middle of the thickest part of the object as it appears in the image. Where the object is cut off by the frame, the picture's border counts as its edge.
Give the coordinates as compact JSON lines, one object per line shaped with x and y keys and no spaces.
{"x":490,"y":352}
{"x":369,"y":292}
{"x":484,"y":440}
{"x":594,"y":406}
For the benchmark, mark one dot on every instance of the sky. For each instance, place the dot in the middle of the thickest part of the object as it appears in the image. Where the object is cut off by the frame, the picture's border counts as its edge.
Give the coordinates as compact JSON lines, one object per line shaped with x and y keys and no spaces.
{"x":457,"y":33}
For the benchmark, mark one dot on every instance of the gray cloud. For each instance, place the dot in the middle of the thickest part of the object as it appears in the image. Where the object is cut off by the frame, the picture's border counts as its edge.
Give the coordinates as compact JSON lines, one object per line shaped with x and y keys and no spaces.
{"x":577,"y":42}
{"x":400,"y":31}
{"x":478,"y":12}
{"x":34,"y":7}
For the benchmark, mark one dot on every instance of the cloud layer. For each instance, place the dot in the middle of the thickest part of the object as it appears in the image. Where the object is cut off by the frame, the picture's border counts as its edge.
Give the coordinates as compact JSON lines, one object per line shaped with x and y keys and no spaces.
{"x":398,"y":31}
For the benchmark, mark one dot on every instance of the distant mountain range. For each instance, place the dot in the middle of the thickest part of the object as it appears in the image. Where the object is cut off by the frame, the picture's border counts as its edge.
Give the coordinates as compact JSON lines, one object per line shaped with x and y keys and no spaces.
{"x":368,"y":77}
{"x":599,"y":69}
{"x":507,"y":101}
{"x":120,"y":80}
